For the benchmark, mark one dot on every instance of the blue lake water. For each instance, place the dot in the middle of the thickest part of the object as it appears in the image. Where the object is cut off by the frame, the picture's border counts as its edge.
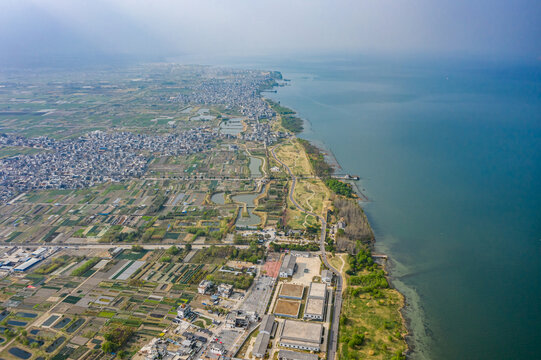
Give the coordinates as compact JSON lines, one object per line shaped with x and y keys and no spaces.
{"x":252,"y":219}
{"x":450,"y":156}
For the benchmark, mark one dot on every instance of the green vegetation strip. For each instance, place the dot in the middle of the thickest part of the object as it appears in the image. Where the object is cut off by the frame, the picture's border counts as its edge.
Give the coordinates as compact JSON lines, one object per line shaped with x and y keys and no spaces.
{"x":89,"y":264}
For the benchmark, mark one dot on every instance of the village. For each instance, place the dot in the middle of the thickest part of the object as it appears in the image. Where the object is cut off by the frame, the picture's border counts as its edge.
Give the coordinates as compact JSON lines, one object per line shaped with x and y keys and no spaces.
{"x":175,"y":236}
{"x":190,"y":306}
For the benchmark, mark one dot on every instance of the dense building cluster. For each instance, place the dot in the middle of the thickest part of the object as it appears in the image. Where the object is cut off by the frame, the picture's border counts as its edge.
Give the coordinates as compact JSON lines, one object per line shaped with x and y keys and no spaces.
{"x":262,"y":132}
{"x":97,"y":157}
{"x":234,"y":89}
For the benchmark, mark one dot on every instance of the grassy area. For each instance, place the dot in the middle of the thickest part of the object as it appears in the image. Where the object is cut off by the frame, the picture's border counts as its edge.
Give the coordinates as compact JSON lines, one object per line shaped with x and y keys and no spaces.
{"x":339,"y":262}
{"x":311,"y":194}
{"x":8,"y":151}
{"x":294,"y":217}
{"x":287,"y":117}
{"x":242,"y":281}
{"x":292,"y":154}
{"x":106,"y":314}
{"x":379,"y":322}
{"x":199,"y":323}
{"x":370,"y":325}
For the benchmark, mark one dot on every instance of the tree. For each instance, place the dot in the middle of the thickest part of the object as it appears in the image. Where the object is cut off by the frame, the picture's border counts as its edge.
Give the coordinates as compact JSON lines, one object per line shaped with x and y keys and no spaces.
{"x":108,"y":347}
{"x":173,"y":250}
{"x":137,"y":248}
{"x":356,"y":341}
{"x":116,"y":338}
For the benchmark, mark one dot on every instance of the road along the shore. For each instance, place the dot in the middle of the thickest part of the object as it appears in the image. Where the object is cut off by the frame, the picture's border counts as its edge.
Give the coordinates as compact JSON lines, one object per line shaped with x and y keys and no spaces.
{"x":333,"y":331}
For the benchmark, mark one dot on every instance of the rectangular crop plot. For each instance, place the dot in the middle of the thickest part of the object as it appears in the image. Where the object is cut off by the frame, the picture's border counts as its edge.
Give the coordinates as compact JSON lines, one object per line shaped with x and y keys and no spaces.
{"x":72,"y":299}
{"x":132,"y":255}
{"x":130,"y":270}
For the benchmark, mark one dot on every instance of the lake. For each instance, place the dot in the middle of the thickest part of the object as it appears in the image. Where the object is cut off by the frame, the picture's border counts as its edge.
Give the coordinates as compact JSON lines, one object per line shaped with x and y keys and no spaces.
{"x":449,"y":154}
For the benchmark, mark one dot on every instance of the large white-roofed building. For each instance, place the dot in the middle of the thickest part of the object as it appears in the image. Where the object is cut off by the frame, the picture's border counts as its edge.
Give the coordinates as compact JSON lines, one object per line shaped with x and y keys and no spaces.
{"x":301,"y":335}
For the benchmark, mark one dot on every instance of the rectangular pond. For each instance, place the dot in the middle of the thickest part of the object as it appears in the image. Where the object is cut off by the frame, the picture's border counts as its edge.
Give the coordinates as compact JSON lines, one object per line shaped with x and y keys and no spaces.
{"x":50,"y":320}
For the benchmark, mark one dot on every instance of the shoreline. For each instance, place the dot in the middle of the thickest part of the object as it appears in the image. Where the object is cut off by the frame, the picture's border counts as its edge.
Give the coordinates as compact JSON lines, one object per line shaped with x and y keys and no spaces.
{"x":387,"y":265}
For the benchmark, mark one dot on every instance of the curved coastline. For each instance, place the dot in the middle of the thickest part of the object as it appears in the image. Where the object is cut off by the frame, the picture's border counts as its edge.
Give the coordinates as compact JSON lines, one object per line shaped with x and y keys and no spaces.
{"x":411,"y":311}
{"x":454,"y":210}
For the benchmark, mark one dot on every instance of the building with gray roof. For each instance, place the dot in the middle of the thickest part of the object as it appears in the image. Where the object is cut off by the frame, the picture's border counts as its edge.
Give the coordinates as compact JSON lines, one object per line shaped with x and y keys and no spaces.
{"x":261,"y":345}
{"x":288,"y":266}
{"x":268,"y":325}
{"x":314,"y":309}
{"x":301,"y":335}
{"x":317,"y":290}
{"x":295,"y":355}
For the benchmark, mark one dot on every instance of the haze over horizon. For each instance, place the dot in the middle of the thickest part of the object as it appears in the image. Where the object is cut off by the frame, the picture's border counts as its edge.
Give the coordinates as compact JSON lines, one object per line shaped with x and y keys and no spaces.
{"x":44,"y":30}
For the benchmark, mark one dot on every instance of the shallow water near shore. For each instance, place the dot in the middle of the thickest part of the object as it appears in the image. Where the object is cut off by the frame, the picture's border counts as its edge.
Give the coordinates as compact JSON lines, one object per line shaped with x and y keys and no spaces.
{"x":450,"y":156}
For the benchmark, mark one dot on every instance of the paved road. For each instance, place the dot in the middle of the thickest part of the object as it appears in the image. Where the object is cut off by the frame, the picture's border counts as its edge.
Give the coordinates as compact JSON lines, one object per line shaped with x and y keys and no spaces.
{"x":333,"y":332}
{"x":108,"y":246}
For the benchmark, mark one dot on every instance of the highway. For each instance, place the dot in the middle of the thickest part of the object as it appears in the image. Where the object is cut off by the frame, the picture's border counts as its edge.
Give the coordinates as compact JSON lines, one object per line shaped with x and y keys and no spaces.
{"x":333,"y":332}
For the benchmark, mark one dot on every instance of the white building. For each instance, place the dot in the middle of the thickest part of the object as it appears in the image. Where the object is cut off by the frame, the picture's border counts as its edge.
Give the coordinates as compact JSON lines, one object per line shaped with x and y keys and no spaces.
{"x":204,"y":286}
{"x":288,"y":266}
{"x":326,"y":276}
{"x":217,"y":348}
{"x":225,"y":290}
{"x":315,"y":304}
{"x":184,"y":310}
{"x":301,"y":335}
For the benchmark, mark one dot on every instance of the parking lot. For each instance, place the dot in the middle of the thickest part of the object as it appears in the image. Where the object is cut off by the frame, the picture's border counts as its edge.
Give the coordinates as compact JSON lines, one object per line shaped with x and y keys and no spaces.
{"x":258,"y":295}
{"x":229,"y":337}
{"x":307,"y":268}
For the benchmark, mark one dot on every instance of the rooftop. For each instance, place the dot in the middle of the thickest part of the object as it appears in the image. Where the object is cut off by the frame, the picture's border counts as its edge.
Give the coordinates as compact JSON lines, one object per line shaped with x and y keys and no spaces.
{"x":295,"y":355}
{"x":326,"y":274}
{"x":288,"y":263}
{"x":267,"y":324}
{"x":261,"y":344}
{"x":287,"y":307}
{"x":291,"y":290}
{"x":317,"y":290}
{"x":314,"y":306}
{"x":309,"y":332}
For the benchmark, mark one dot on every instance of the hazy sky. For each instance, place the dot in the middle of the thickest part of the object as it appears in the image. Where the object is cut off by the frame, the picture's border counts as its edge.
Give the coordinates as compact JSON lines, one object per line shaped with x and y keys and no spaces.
{"x":42,"y":28}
